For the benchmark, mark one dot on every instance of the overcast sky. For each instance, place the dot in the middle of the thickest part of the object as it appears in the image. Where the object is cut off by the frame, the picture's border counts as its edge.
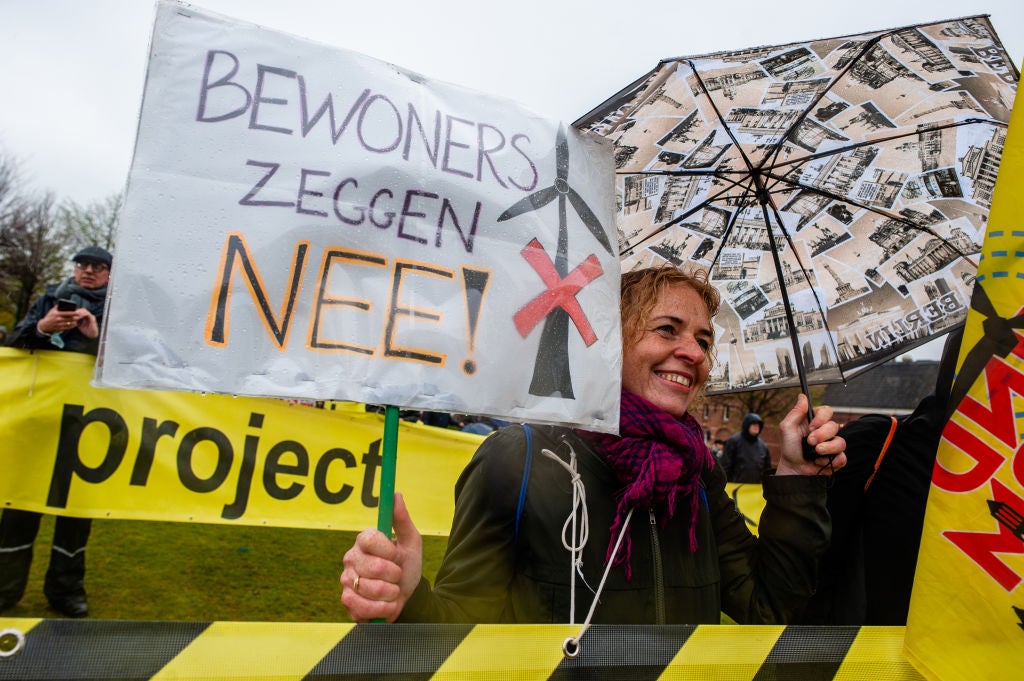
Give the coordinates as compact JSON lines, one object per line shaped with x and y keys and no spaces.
{"x":73,"y":70}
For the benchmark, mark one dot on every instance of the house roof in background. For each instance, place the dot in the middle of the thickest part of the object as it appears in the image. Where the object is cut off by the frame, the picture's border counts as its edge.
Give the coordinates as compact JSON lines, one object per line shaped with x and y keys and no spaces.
{"x":893,"y":387}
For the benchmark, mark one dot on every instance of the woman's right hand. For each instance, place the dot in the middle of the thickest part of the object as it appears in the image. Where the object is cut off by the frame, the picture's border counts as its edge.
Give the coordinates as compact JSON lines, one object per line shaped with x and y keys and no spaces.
{"x":381,"y":574}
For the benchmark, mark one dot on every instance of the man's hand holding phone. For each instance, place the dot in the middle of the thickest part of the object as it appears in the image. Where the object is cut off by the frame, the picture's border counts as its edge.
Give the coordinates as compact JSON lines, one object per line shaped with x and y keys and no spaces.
{"x":63,"y":316}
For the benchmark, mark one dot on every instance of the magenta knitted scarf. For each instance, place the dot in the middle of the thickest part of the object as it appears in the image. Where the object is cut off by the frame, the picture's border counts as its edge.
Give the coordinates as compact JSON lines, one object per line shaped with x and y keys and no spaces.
{"x":657,"y":457}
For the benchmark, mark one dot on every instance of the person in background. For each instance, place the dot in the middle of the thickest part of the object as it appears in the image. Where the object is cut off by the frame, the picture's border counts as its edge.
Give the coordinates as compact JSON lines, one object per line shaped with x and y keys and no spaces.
{"x":877,"y":504}
{"x":745,"y":456}
{"x":438,"y":419}
{"x":479,"y":425}
{"x":717,"y":449}
{"x":660,"y":541}
{"x":67,"y":317}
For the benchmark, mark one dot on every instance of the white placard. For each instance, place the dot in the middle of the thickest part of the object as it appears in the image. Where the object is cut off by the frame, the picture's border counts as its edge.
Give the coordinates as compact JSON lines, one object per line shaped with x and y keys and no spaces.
{"x":303,"y":221}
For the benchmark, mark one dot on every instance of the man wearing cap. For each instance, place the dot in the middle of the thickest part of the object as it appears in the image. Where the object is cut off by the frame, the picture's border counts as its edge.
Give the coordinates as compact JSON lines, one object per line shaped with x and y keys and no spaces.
{"x":74,"y":329}
{"x":45,"y":327}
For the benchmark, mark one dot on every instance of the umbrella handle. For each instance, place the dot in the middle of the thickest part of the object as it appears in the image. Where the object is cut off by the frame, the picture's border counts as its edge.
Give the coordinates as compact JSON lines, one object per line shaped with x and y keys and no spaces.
{"x":808,"y":450}
{"x":811,"y":455}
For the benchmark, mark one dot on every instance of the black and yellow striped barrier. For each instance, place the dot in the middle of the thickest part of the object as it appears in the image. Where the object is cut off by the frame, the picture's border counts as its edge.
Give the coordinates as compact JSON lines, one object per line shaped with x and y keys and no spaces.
{"x":58,"y":649}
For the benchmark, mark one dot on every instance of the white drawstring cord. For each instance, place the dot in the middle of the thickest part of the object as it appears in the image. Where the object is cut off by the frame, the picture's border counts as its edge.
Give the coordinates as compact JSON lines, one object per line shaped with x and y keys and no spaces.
{"x":572,"y":542}
{"x":571,"y":645}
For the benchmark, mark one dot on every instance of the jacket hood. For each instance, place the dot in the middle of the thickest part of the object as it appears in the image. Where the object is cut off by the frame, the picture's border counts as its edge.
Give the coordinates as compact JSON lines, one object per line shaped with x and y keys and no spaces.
{"x":749,"y":419}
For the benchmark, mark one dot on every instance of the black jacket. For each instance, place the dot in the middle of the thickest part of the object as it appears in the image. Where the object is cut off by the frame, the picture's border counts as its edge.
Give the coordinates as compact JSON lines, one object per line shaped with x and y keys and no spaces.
{"x":490,"y":575}
{"x":25,"y":335}
{"x":868,"y":571}
{"x":745,"y":457}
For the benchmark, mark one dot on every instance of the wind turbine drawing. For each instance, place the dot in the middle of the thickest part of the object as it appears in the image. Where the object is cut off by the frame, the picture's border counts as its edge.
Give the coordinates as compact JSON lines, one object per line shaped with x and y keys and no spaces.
{"x":557,"y":304}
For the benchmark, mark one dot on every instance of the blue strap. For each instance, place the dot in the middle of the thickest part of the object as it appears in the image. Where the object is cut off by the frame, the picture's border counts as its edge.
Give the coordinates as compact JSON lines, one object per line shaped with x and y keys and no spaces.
{"x":526,"y":479}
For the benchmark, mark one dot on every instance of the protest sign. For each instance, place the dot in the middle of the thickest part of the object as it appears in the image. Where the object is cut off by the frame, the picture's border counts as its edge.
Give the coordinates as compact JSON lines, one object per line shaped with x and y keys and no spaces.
{"x":302,"y":221}
{"x":966,"y":616}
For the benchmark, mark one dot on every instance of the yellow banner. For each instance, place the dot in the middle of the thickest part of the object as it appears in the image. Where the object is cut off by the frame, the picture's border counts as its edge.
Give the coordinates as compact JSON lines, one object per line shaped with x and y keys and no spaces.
{"x":749,"y":500}
{"x":73,"y":449}
{"x":967,"y":612}
{"x":70,"y":448}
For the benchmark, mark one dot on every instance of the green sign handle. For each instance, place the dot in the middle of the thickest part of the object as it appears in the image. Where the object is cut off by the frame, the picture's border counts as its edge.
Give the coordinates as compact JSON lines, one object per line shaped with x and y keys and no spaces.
{"x":389,"y":462}
{"x":389,"y":455}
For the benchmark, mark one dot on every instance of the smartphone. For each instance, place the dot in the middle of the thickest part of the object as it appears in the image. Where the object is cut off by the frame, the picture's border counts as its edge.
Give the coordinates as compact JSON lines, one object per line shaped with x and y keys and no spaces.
{"x":65,"y":305}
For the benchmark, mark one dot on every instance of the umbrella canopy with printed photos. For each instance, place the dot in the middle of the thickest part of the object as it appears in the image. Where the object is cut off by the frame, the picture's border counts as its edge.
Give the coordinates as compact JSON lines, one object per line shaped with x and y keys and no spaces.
{"x":837,"y":190}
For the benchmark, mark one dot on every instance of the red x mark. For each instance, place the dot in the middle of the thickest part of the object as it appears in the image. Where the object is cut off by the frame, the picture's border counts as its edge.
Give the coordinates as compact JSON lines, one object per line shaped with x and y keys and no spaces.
{"x":560,"y":292}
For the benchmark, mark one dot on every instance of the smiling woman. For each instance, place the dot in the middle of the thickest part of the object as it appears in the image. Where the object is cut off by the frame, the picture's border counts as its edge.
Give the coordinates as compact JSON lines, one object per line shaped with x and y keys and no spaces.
{"x":670,"y":359}
{"x":542,"y":513}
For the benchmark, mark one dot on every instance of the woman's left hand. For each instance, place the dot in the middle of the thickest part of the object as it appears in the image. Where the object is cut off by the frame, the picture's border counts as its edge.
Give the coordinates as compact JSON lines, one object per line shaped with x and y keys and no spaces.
{"x":822,"y":433}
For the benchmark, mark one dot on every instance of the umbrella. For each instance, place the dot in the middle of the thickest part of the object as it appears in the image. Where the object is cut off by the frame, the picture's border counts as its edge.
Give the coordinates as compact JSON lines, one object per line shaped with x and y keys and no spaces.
{"x":836,"y":190}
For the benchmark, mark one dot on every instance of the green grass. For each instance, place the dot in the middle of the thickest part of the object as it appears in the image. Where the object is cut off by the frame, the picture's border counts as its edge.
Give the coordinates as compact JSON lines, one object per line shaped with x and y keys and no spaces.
{"x":140,"y":570}
{"x":178,"y":571}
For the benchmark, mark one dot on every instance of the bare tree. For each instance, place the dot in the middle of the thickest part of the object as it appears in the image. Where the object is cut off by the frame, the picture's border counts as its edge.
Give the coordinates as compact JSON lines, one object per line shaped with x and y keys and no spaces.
{"x":771,"y":405}
{"x":9,"y":181}
{"x":37,"y":240}
{"x":89,"y":225}
{"x":32,"y":252}
{"x":9,"y":209}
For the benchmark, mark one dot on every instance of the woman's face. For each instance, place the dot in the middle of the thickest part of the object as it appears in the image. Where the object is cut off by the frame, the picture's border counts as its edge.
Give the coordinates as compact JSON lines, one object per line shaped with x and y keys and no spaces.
{"x":669,"y":364}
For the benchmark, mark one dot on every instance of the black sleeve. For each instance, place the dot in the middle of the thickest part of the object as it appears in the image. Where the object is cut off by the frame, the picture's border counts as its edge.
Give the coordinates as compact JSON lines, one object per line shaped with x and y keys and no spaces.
{"x":839,"y":597}
{"x":767,"y":579}
{"x":865,"y":438}
{"x":473,"y":581}
{"x":24,"y":334}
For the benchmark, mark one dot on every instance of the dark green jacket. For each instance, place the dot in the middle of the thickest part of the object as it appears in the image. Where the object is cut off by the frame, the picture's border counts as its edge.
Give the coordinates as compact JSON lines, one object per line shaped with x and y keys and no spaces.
{"x":487,"y":575}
